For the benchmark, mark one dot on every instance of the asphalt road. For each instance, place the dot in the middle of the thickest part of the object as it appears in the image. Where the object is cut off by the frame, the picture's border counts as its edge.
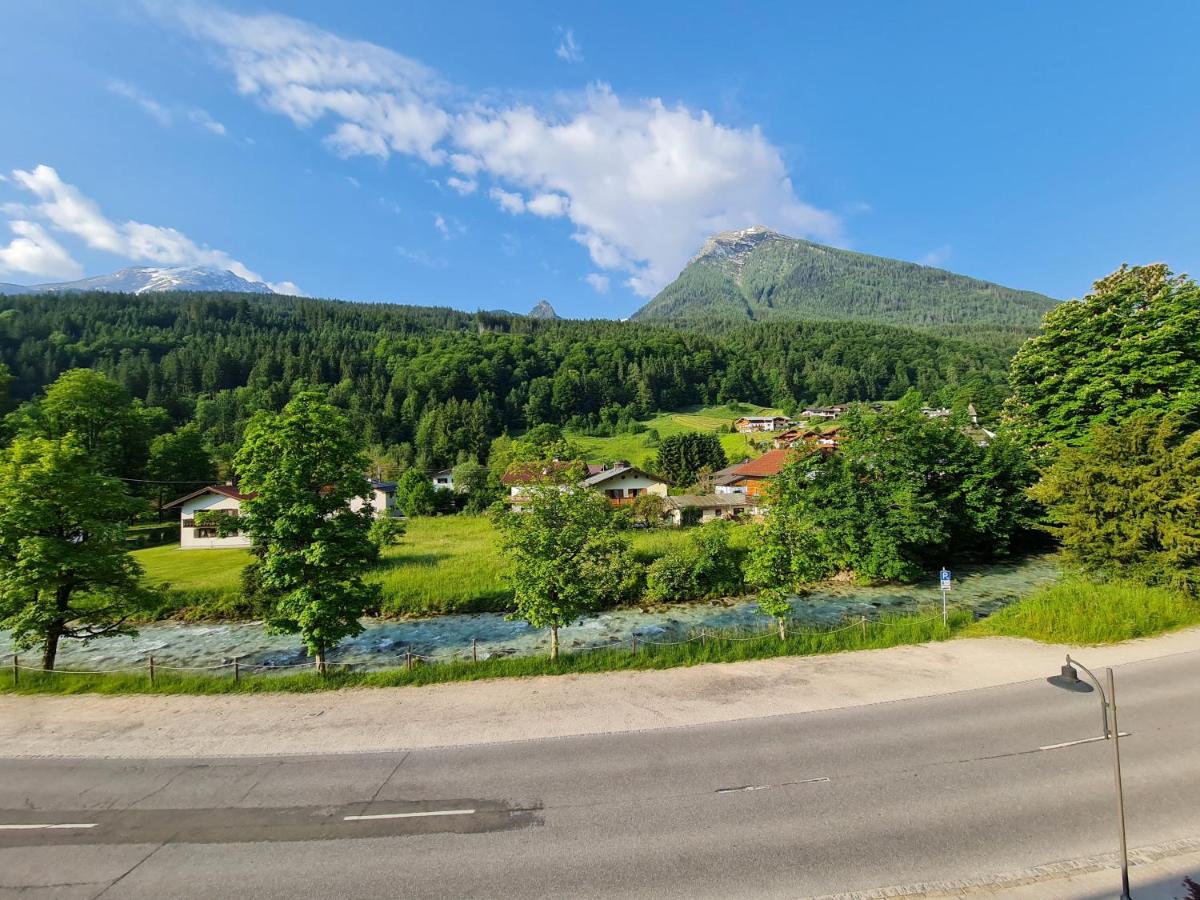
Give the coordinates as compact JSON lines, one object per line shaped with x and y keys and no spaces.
{"x":941,"y":788}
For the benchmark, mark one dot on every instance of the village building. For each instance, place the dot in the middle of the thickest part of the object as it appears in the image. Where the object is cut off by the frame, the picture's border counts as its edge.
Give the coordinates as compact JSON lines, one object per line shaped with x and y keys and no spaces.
{"x":622,"y":483}
{"x":825,"y":441}
{"x":443,"y":480}
{"x":203,"y":512}
{"x":723,"y":481}
{"x":755,"y":474}
{"x":752,"y":424}
{"x":710,"y":506}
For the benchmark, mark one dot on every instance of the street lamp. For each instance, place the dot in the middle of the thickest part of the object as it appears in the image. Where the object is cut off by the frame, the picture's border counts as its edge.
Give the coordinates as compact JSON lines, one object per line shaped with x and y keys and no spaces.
{"x":1069,"y":680}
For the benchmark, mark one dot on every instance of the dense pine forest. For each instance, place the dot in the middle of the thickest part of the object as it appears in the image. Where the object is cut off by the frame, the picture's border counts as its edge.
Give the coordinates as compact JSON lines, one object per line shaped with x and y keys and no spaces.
{"x":434,"y":386}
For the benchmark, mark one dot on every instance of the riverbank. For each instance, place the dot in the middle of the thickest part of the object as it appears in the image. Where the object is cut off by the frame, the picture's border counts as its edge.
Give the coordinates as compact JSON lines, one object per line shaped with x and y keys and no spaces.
{"x":384,"y":644}
{"x":520,"y":709}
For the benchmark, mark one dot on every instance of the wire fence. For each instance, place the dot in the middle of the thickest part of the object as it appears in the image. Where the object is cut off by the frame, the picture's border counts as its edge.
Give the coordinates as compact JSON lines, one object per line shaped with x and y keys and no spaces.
{"x":635,"y":644}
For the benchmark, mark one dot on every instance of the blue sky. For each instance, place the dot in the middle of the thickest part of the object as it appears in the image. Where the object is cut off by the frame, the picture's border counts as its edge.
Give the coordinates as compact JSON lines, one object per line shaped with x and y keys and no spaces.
{"x":484,"y":155}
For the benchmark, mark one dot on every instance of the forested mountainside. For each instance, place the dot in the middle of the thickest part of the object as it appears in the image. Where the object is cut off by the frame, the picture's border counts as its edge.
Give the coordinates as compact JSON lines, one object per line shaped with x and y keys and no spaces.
{"x":756,"y":274}
{"x":439,"y":384}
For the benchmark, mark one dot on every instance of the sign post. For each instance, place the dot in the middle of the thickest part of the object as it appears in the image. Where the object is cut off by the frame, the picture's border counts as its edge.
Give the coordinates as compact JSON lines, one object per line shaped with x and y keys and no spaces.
{"x":944,"y":578}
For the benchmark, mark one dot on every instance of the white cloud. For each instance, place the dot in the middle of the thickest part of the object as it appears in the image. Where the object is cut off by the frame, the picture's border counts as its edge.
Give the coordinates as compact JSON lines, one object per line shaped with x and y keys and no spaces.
{"x":162,"y":114}
{"x":420,"y":257}
{"x":568,"y":50}
{"x":642,"y":182}
{"x":507,"y":201}
{"x":598,"y":282}
{"x":448,"y":226}
{"x":463,"y":185}
{"x":548,"y":206}
{"x":202,"y":119}
{"x":34,"y":252}
{"x":149,"y":106}
{"x":937,"y":257}
{"x":68,"y":210}
{"x":384,"y":102}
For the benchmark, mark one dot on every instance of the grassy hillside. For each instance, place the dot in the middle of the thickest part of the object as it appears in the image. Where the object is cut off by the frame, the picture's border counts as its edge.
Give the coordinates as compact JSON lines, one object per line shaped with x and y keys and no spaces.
{"x":772,"y":277}
{"x":640,"y":448}
{"x":446,"y":564}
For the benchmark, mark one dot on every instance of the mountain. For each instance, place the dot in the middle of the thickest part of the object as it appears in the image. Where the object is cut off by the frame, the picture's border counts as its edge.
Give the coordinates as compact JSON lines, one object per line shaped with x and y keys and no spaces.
{"x":149,"y":279}
{"x":756,"y":274}
{"x":543,"y":310}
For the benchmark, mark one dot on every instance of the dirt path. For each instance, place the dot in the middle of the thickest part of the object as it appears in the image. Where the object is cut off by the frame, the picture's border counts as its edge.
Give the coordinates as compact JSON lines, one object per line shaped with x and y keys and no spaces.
{"x":365,"y":719}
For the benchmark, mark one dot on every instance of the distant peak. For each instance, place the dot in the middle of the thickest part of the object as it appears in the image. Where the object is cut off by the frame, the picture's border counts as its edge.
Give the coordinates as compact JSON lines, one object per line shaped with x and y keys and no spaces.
{"x":543,"y":310}
{"x":736,"y":244}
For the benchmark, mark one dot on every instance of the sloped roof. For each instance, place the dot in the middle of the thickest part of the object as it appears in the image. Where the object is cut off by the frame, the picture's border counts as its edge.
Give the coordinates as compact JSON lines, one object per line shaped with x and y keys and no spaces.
{"x":605,"y":474}
{"x":765,"y":466}
{"x":709,"y":501}
{"x":223,"y":489}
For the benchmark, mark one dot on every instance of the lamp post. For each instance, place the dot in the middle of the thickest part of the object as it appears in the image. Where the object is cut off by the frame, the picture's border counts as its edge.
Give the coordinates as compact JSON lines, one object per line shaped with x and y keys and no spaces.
{"x":1069,"y":680}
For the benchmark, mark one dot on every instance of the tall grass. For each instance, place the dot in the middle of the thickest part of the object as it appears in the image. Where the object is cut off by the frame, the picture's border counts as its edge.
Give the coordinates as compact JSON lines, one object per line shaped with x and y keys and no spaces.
{"x":1076,"y":611}
{"x":730,"y":646}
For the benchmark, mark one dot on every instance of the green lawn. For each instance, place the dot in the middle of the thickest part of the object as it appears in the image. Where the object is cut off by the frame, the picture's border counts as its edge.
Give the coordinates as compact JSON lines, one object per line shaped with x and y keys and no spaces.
{"x":447,"y":564}
{"x":637,"y":448}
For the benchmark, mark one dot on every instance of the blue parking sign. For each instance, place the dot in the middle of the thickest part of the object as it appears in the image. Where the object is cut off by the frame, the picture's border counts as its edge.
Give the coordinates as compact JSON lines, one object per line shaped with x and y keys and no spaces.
{"x":945,"y":576}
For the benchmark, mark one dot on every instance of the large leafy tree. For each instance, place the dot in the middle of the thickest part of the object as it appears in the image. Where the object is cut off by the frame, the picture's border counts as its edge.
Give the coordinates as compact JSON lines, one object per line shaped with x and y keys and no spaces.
{"x":302,"y":467}
{"x":1129,"y":345}
{"x":99,"y":413}
{"x":567,"y":555}
{"x":64,"y":567}
{"x":903,"y":492}
{"x":1127,"y":502}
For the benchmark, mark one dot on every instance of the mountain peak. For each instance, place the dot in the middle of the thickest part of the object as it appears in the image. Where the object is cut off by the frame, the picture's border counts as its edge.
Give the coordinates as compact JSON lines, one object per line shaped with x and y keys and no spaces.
{"x":756,"y":274}
{"x":149,"y":279}
{"x":543,"y":310}
{"x":735,"y":245}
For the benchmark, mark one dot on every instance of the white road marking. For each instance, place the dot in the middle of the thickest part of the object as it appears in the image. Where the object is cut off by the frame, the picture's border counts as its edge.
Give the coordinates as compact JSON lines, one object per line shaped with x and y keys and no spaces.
{"x":34,"y":827}
{"x":411,"y":815}
{"x":764,"y":787}
{"x":1083,"y":741}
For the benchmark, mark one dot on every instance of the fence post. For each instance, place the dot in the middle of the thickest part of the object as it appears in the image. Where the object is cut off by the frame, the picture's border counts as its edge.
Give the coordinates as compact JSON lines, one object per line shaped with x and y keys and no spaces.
{"x":864,"y":625}
{"x":152,"y":669}
{"x":16,"y":670}
{"x":633,"y":638}
{"x":474,"y":651}
{"x":408,"y":659}
{"x":237,"y":670}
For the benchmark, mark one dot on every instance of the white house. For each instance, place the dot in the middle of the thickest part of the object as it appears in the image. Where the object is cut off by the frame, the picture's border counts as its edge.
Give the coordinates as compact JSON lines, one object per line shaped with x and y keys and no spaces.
{"x":382,"y":500}
{"x":198,"y":512}
{"x":711,"y":506}
{"x":443,"y":480}
{"x":622,"y":483}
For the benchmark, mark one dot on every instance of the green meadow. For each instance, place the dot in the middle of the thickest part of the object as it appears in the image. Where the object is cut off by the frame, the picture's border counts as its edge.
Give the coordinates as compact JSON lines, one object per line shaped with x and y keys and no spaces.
{"x":639,"y":449}
{"x":446,"y":564}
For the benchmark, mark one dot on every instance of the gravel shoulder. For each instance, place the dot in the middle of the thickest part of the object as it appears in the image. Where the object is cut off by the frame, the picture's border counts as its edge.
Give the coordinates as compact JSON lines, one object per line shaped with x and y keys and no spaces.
{"x":470,"y":713}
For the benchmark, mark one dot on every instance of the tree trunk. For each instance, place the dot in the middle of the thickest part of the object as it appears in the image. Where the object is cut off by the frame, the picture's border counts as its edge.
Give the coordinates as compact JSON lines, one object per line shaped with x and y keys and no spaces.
{"x":55,"y":629}
{"x":319,"y":656}
{"x":782,"y":629}
{"x":554,"y":642}
{"x":53,"y":633}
